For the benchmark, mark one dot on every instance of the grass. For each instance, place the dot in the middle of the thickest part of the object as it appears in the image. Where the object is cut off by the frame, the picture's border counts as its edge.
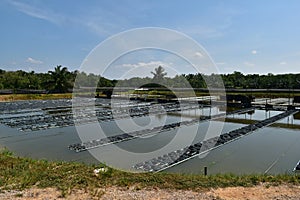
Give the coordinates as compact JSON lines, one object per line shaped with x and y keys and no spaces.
{"x":20,"y":173}
{"x":155,"y":94}
{"x":17,"y":97}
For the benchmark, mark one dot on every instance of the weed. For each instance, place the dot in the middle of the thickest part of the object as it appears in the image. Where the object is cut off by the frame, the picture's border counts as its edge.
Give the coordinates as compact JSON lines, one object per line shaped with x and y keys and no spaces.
{"x":19,"y":195}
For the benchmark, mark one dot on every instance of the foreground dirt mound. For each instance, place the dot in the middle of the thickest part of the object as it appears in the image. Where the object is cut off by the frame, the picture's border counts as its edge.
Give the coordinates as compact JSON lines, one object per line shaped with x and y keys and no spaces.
{"x":261,"y":192}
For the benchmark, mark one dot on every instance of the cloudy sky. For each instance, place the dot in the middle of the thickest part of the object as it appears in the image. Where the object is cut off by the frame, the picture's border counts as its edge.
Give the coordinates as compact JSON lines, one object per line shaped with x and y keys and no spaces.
{"x":249,"y":36}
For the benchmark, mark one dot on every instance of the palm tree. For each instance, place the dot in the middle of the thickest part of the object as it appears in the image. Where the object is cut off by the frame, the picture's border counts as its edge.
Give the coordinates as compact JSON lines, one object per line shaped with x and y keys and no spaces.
{"x":59,"y":80}
{"x":159,"y":74}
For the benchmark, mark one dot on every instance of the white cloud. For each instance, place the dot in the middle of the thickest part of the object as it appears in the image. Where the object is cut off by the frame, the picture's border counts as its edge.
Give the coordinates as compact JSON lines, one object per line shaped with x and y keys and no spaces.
{"x":198,"y":54}
{"x":254,"y":52}
{"x":249,"y":64}
{"x":152,"y":64}
{"x":283,"y":63}
{"x":33,"y":61}
{"x":39,"y":13}
{"x":137,"y":69}
{"x":94,"y":22}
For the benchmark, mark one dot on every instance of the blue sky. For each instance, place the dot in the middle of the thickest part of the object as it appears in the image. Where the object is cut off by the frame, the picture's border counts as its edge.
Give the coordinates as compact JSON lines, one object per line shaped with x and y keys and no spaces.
{"x":248,"y":36}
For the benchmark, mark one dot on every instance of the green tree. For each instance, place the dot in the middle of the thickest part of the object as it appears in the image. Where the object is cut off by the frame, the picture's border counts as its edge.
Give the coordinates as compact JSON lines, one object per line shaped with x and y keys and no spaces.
{"x":59,"y":80}
{"x":159,"y":74}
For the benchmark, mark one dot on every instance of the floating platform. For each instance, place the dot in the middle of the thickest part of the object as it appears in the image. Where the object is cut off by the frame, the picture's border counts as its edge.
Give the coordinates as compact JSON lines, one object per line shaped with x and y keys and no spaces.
{"x":174,"y":158}
{"x":62,"y":115}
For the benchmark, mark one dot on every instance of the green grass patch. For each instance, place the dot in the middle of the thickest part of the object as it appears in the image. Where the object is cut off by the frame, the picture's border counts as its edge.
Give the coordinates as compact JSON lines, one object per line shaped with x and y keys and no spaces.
{"x":20,"y":173}
{"x":18,"y":97}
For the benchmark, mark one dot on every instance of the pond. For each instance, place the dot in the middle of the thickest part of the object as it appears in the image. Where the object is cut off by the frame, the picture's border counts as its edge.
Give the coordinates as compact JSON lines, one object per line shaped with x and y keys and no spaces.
{"x":268,"y":150}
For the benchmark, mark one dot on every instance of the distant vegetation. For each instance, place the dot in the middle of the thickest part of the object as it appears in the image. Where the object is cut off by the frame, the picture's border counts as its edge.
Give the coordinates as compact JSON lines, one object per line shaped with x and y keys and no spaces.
{"x":58,"y":81}
{"x":61,"y":79}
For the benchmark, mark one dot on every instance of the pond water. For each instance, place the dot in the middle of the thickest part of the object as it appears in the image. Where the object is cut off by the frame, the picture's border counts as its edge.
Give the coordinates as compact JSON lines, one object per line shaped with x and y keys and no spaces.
{"x":268,"y":150}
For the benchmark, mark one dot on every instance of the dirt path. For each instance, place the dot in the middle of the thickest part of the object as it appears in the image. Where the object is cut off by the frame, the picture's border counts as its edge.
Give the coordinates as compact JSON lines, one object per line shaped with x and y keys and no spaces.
{"x":261,"y":192}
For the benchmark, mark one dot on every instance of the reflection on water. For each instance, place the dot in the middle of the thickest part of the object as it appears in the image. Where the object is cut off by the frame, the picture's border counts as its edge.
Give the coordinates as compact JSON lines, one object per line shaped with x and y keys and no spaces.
{"x":203,"y":111}
{"x":289,"y":122}
{"x":271,"y":150}
{"x":256,"y":115}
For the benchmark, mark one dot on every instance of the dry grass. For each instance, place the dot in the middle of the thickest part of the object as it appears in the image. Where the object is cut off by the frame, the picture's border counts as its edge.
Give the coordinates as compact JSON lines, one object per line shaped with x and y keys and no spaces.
{"x":18,"y":97}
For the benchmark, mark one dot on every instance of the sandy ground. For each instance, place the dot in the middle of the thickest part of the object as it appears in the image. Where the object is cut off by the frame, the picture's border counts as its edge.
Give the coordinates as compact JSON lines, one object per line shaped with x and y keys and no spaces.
{"x":261,"y":192}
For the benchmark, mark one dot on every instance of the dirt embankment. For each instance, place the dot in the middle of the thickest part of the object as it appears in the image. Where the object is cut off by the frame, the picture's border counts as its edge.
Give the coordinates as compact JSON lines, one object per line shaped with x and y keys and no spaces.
{"x":261,"y":192}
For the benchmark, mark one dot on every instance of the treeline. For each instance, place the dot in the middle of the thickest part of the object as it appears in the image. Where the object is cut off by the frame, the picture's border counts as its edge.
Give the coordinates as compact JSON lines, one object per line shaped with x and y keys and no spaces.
{"x":256,"y":81}
{"x":61,"y":79}
{"x":58,"y":81}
